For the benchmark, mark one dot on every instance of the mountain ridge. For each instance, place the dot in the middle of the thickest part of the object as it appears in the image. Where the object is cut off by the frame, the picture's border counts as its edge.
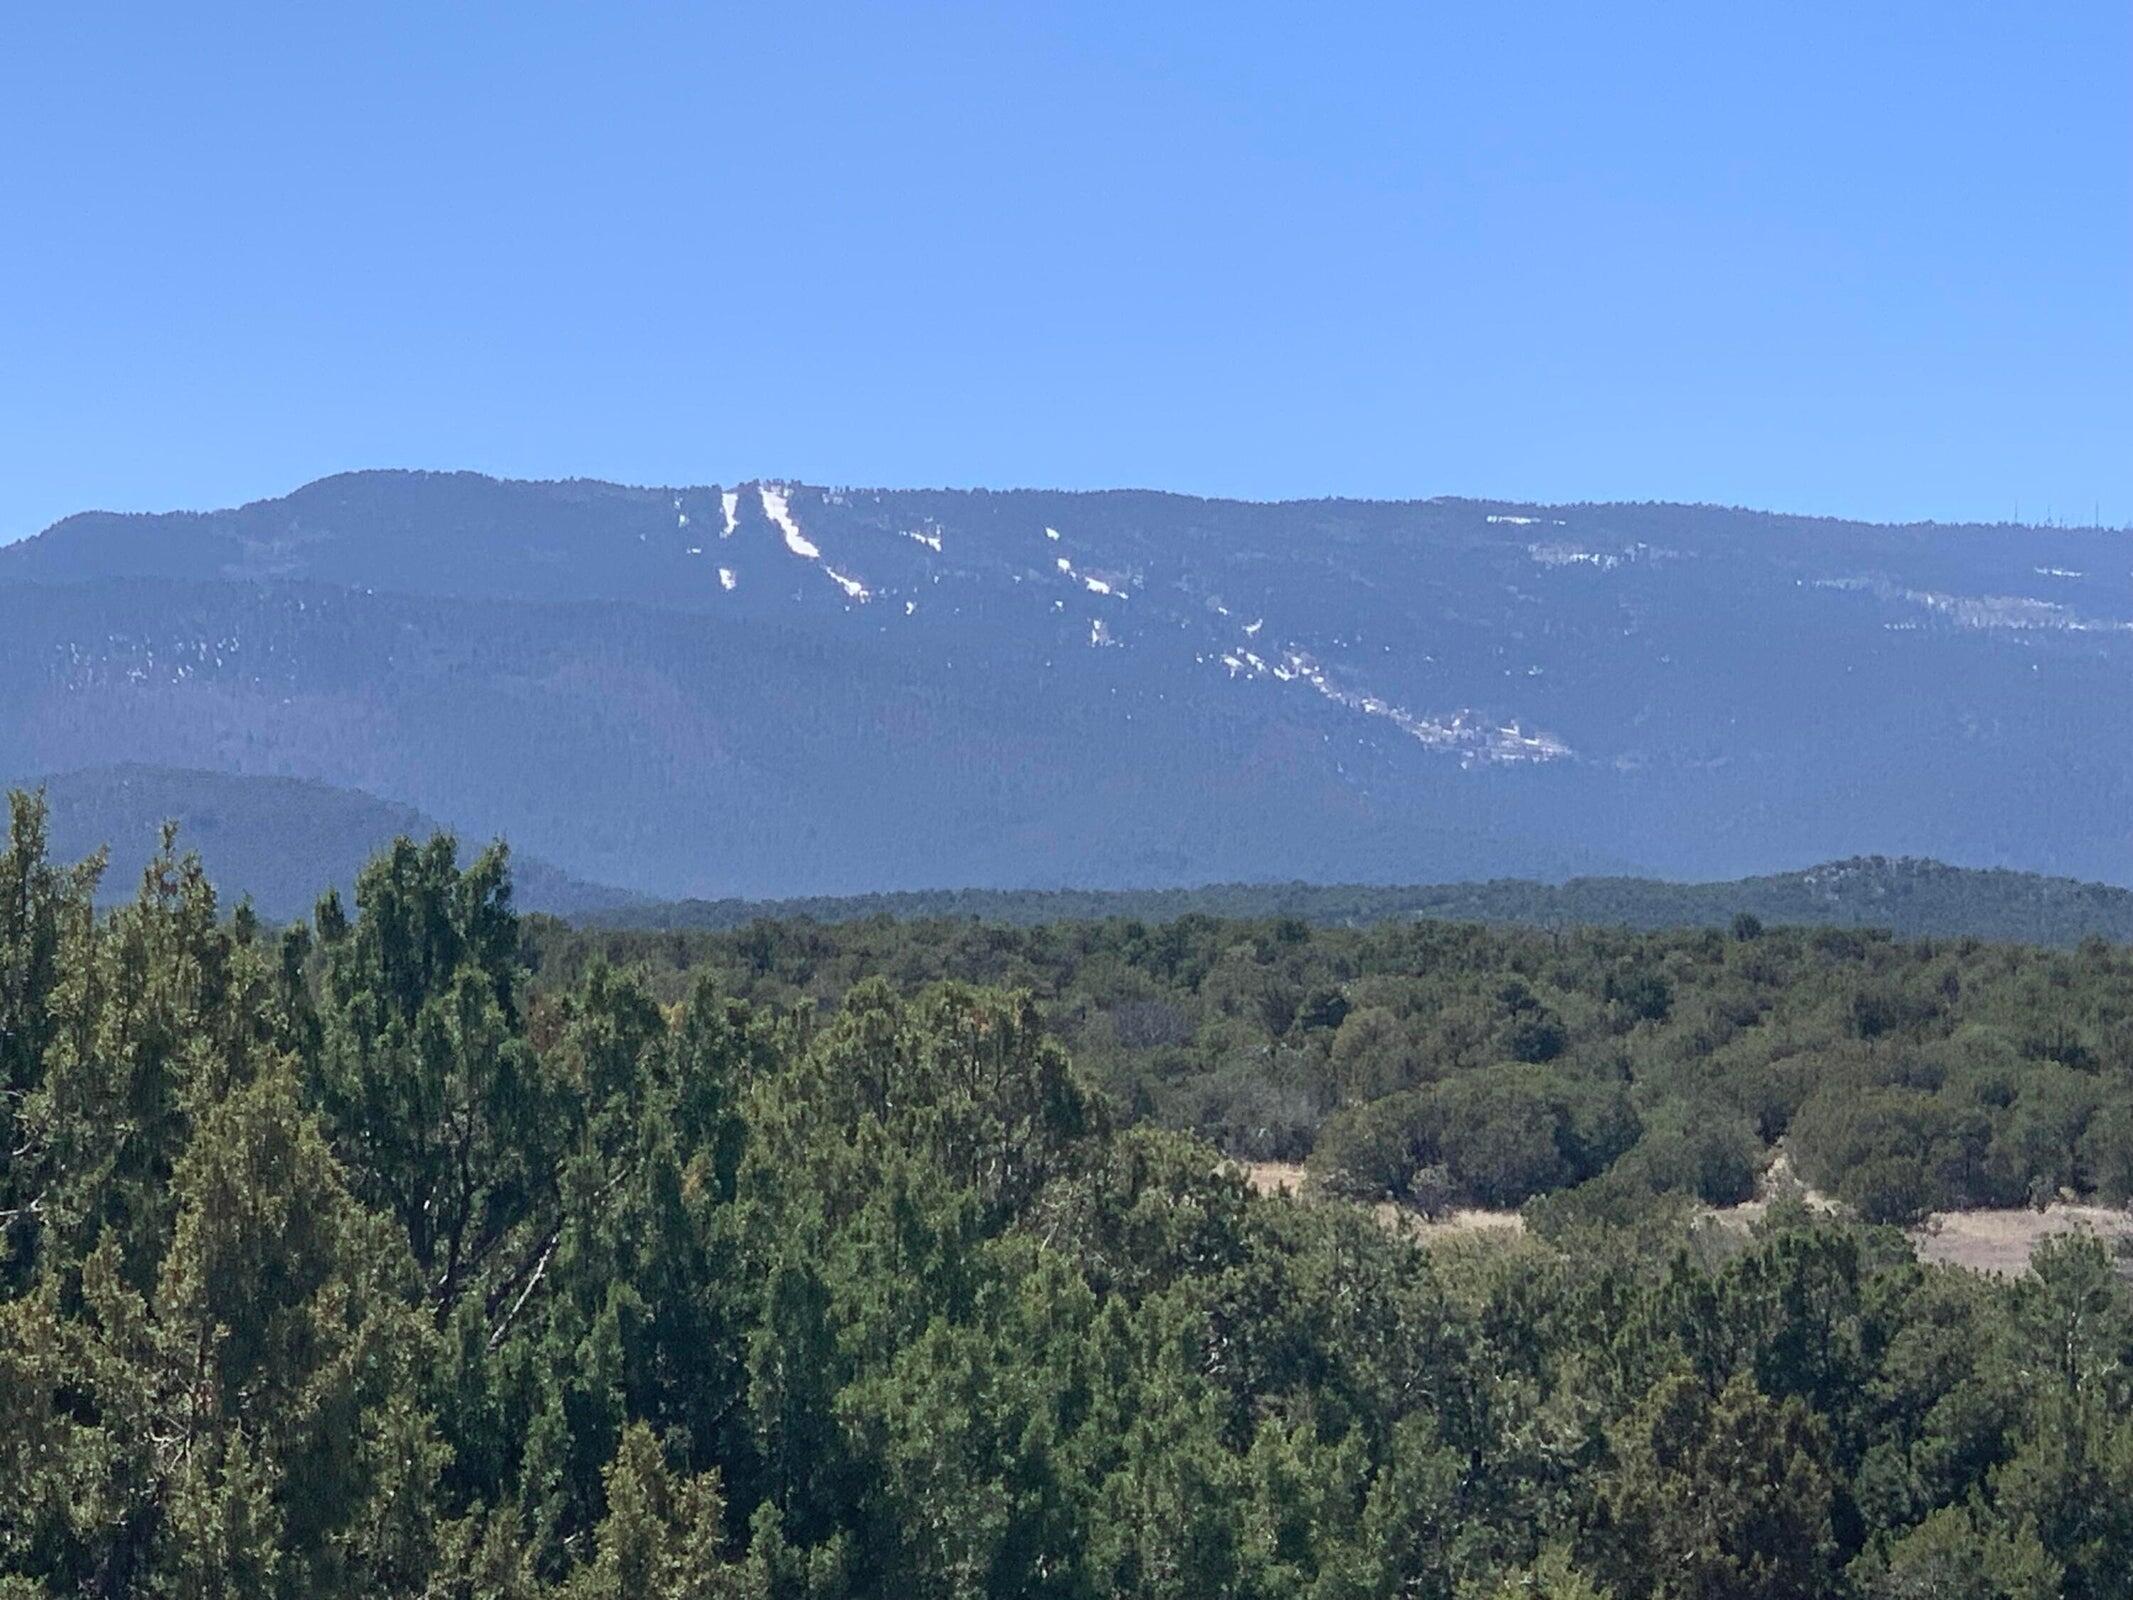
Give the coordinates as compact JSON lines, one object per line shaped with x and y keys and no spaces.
{"x":1483,"y":502}
{"x":776,"y":690}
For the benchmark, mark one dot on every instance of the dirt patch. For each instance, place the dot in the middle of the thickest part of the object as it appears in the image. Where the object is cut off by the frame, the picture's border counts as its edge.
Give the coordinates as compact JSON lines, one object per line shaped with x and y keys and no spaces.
{"x":2000,"y":1241}
{"x":1273,"y":1177}
{"x":1287,"y":1177}
{"x":1997,"y":1242}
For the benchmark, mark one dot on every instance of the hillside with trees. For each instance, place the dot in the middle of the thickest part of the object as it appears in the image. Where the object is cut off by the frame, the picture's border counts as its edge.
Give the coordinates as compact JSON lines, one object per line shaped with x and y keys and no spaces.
{"x":407,"y":1251}
{"x":1504,"y":1063}
{"x":1909,"y":897}
{"x":277,"y":842}
{"x":769,"y":689}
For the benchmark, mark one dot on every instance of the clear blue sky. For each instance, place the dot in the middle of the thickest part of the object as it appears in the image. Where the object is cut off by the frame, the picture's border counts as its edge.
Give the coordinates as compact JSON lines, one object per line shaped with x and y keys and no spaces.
{"x":1872,"y":258}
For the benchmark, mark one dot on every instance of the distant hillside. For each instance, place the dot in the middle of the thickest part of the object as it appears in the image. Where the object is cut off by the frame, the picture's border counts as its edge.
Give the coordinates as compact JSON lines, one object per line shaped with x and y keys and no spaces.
{"x":767,"y":689}
{"x":1909,"y":897}
{"x":279,"y":840}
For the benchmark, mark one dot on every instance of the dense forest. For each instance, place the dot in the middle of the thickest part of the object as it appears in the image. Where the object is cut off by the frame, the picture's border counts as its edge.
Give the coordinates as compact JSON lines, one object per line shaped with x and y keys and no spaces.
{"x":413,"y":1250}
{"x":1491,"y":1065}
{"x":1911,"y":897}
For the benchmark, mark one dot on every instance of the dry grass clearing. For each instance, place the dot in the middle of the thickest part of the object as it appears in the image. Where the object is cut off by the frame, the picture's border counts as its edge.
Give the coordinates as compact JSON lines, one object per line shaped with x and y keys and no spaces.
{"x":1998,"y":1242}
{"x":1287,"y":1177}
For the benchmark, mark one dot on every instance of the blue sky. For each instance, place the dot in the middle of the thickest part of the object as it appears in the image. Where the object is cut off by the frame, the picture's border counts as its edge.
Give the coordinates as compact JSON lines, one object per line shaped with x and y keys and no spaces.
{"x":1872,"y":259}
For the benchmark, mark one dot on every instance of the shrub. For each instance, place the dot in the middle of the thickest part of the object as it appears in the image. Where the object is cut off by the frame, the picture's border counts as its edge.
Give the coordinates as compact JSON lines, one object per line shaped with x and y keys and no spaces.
{"x":1714,"y":1159}
{"x":1891,"y":1188}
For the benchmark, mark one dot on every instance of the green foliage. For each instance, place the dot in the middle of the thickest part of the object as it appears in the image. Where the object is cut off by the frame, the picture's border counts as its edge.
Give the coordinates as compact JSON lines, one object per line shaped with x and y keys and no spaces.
{"x":1718,"y":1497}
{"x":1905,"y":1078}
{"x":366,"y":1262}
{"x":1915,"y":898}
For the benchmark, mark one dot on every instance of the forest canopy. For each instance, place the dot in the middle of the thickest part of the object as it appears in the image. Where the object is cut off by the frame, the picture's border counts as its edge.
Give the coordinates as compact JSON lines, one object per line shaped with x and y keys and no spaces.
{"x":416,"y":1250}
{"x":1903,"y":1076}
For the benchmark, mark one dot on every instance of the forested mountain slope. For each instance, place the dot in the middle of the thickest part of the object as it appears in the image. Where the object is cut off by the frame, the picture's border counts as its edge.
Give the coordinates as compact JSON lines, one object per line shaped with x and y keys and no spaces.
{"x":280,"y":842}
{"x":355,"y":1262}
{"x":1905,"y":897}
{"x":773,"y":689}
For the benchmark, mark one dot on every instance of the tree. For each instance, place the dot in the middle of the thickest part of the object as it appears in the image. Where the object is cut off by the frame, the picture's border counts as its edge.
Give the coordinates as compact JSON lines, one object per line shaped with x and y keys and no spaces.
{"x":47,"y":926}
{"x":661,"y":1536}
{"x":1717,"y":1497}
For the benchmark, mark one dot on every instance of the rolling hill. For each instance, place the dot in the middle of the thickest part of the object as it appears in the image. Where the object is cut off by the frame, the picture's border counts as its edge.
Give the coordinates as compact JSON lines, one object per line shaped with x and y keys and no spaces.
{"x":278,"y":841}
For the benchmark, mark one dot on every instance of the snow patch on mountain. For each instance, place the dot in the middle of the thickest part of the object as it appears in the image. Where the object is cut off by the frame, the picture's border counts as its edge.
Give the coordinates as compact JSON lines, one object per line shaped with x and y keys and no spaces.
{"x":778,"y":508}
{"x":2016,"y":612}
{"x":1569,"y":555}
{"x":1474,"y":739}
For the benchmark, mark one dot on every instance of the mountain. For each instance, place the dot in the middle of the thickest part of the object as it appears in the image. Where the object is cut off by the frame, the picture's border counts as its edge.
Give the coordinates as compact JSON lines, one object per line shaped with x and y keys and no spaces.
{"x":280,"y":841}
{"x":1913,"y":899}
{"x":774,"y":690}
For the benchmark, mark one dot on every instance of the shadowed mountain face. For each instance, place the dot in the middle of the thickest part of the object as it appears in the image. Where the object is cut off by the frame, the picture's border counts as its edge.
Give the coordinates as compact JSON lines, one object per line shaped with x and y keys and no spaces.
{"x":780,"y":690}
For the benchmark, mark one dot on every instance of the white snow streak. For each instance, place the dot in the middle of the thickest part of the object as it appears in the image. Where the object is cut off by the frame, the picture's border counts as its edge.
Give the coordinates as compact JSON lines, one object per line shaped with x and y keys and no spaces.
{"x":1464,"y":734}
{"x":730,"y":503}
{"x":779,"y":510}
{"x":1569,"y":555}
{"x":727,"y":580}
{"x":2017,"y":611}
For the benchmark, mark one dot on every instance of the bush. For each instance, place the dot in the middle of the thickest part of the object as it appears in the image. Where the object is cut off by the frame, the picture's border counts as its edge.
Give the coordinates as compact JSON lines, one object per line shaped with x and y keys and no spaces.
{"x":1370,"y":1152}
{"x":1501,"y":1137}
{"x":1535,"y":1037}
{"x":1716,"y":1160}
{"x":1245,"y":1114}
{"x":2107,"y":1153}
{"x":1614,"y":1202}
{"x":1895,"y":1189}
{"x":1643,"y":994}
{"x":1432,"y":1192}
